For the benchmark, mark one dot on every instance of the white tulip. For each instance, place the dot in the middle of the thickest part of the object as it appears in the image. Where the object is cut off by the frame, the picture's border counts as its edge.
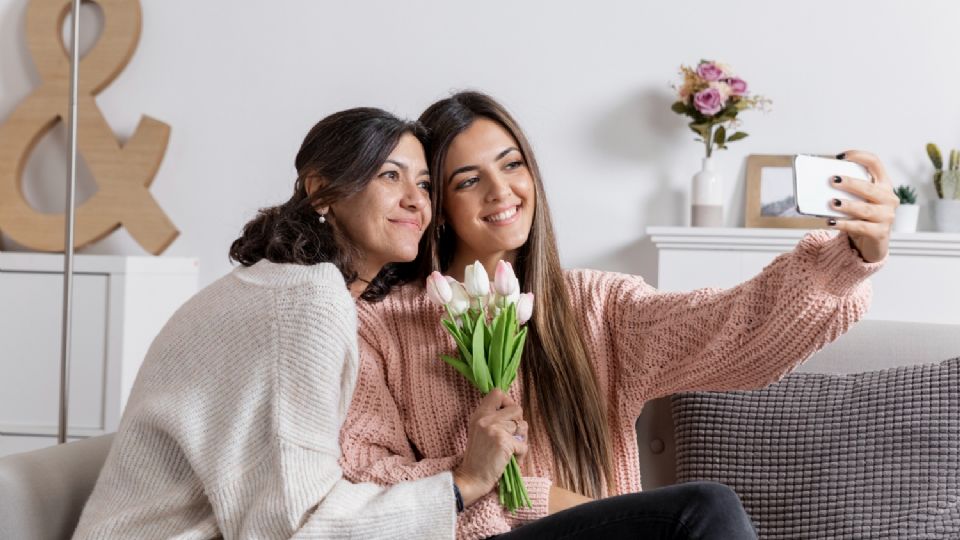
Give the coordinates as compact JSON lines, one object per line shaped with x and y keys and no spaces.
{"x":476,"y":281}
{"x":460,"y":302}
{"x":524,"y":308}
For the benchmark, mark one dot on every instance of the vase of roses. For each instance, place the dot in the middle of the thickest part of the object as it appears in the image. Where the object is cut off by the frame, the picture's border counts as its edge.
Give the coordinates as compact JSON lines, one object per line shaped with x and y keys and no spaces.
{"x":486,"y":321}
{"x":712,"y":96}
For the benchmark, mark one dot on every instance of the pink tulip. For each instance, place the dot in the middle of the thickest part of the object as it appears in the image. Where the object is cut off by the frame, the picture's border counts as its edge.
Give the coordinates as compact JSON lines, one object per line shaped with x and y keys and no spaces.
{"x":524,"y":308}
{"x":504,"y":280}
{"x":438,"y":289}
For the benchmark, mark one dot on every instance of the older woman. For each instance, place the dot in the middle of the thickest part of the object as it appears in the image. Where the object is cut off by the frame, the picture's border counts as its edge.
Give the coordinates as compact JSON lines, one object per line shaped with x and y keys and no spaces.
{"x":231,"y":427}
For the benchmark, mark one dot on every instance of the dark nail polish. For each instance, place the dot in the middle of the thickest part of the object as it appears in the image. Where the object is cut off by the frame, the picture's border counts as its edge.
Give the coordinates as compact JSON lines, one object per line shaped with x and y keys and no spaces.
{"x":837,"y":179}
{"x":836,"y":202}
{"x":832,"y":222}
{"x":842,"y":155}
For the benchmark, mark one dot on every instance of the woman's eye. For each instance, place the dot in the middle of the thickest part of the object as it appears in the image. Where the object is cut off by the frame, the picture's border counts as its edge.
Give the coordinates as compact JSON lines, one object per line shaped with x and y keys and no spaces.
{"x":514,"y":165}
{"x":468,"y":182}
{"x":426,"y":185}
{"x":392,"y":175}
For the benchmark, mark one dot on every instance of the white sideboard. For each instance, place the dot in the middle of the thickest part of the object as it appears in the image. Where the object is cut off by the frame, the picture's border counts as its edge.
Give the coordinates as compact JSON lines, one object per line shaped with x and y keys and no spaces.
{"x":120,"y":303}
{"x":919,"y":283}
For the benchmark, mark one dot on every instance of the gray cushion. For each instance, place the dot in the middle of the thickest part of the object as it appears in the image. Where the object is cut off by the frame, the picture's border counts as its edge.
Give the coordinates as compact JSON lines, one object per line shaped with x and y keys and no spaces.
{"x":43,"y":492}
{"x":869,"y":455}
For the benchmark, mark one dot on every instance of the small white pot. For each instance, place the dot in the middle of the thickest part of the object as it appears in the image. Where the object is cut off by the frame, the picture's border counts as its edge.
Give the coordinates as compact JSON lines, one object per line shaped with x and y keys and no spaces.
{"x":906,"y":218}
{"x":946,"y":214}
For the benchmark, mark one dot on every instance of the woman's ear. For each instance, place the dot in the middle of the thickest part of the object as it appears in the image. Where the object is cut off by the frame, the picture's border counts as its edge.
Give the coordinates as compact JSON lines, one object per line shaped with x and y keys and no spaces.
{"x":313,"y":183}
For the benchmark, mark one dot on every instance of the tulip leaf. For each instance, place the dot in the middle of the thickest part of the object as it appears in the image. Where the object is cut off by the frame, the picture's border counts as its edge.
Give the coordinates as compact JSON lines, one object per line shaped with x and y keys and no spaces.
{"x":458,"y":364}
{"x":480,"y":371}
{"x":453,"y":329}
{"x":515,"y":357}
{"x":496,"y":350}
{"x":468,"y":322}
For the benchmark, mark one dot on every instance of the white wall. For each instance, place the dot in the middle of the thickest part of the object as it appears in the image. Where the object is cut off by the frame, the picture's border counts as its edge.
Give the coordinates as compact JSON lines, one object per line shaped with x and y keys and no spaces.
{"x":241,"y":82}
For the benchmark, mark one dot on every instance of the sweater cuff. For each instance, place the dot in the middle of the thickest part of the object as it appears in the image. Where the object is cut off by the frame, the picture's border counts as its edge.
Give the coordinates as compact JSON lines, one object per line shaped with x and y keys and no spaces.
{"x":538,"y":489}
{"x":841,"y":265}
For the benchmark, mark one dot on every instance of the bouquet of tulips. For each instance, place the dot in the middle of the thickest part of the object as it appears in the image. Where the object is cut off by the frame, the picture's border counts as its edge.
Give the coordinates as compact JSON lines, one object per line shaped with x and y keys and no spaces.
{"x":485,"y":320}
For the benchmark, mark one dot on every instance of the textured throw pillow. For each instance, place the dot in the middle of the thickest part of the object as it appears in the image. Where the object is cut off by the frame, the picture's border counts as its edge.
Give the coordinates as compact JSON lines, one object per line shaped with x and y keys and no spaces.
{"x":869,"y":455}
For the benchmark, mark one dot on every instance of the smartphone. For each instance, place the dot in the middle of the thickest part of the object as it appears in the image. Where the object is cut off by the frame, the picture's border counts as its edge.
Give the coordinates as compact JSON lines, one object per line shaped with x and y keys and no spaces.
{"x":813,"y":188}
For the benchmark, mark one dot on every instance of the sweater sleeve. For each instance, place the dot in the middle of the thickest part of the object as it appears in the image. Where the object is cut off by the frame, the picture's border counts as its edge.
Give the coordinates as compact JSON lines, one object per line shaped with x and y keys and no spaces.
{"x":376,"y":449}
{"x":296,"y":488}
{"x":744,"y":337}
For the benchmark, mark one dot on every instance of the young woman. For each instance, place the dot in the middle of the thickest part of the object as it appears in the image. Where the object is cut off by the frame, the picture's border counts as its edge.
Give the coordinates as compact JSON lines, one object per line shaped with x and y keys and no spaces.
{"x":601,"y":344}
{"x":231,"y":428}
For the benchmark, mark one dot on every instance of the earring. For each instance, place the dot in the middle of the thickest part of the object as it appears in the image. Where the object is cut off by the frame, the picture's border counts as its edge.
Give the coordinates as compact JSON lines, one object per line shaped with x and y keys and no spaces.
{"x":322,"y":219}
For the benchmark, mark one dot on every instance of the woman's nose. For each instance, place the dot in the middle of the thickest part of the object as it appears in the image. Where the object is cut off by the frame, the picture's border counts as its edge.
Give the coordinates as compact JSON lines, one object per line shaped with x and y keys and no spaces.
{"x":499,"y":188}
{"x":414,"y":197}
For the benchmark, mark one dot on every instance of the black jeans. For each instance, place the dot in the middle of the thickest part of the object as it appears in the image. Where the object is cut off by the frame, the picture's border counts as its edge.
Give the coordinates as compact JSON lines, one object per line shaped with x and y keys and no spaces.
{"x":695,"y":510}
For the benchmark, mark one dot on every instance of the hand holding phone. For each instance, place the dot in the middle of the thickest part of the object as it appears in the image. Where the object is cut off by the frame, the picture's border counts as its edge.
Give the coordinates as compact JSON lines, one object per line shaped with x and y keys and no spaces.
{"x":813,"y":185}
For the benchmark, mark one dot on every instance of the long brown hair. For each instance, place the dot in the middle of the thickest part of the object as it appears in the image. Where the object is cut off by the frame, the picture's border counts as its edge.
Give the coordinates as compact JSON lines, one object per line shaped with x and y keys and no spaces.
{"x":555,"y":355}
{"x":346,"y":149}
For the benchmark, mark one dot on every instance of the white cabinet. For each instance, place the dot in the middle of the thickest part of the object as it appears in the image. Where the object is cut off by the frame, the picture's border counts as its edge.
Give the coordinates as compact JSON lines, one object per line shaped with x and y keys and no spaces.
{"x":119,"y":305}
{"x":919,"y":283}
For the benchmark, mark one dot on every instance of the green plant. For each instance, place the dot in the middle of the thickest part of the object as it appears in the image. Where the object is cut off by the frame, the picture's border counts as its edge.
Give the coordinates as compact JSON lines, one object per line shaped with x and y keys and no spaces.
{"x":950,"y":177}
{"x":906,"y":194}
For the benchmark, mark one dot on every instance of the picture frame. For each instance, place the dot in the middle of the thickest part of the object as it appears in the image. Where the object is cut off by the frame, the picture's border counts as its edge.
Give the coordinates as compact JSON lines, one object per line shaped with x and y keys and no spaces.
{"x":770,"y":200}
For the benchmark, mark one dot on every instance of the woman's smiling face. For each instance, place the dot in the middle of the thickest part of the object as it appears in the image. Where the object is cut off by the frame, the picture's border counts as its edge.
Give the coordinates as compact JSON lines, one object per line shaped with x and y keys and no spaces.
{"x":489,"y":193}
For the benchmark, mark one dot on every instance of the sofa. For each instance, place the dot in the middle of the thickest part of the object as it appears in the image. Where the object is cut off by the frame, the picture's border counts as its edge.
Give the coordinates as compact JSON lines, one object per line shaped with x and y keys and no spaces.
{"x":43,"y":491}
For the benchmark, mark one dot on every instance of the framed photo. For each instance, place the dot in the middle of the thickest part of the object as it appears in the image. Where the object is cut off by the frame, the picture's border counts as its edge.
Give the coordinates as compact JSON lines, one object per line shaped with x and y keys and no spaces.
{"x":770,"y":199}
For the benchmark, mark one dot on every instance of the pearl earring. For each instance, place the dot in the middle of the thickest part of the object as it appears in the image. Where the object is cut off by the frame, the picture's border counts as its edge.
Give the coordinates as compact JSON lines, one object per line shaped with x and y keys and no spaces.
{"x":321,"y":218}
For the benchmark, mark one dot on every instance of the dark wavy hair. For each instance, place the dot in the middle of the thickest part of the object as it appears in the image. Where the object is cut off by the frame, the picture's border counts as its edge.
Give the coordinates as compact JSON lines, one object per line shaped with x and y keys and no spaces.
{"x":555,"y":354}
{"x":345,"y":149}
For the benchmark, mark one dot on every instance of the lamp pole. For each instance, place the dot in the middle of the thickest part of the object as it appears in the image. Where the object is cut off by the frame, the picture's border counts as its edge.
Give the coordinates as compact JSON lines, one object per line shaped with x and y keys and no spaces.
{"x":68,"y":240}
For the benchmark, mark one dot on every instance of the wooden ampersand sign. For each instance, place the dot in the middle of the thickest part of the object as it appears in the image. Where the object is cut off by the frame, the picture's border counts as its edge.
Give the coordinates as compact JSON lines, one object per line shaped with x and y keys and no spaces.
{"x":123,"y":173}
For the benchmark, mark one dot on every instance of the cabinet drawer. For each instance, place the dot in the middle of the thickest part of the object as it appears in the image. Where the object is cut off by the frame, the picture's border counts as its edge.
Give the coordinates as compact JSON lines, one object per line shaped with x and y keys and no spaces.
{"x":30,"y":326}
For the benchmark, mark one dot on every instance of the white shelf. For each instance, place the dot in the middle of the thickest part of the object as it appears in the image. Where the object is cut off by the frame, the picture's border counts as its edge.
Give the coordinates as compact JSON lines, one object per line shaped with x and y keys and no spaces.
{"x":120,"y":303}
{"x":932,"y":244}
{"x":920,"y":281}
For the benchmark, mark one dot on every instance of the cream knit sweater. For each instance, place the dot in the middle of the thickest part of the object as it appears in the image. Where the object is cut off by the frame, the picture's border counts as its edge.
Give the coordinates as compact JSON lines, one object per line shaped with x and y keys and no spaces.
{"x":231,"y":427}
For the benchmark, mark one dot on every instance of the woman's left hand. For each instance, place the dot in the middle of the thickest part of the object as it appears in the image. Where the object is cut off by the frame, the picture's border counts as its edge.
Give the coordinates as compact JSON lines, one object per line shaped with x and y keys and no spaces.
{"x":871,"y":219}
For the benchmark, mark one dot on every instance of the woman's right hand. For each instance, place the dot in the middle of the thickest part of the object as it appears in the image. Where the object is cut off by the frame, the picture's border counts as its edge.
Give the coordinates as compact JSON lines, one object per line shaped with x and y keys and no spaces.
{"x":491,"y":442}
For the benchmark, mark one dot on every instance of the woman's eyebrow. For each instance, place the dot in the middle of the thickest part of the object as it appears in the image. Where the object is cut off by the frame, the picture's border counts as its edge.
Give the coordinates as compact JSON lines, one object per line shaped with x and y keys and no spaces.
{"x":466,"y":168}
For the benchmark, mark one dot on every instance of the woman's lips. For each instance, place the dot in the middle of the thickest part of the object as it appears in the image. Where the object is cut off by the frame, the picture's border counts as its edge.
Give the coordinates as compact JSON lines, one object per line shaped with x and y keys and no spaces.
{"x":413,"y":224}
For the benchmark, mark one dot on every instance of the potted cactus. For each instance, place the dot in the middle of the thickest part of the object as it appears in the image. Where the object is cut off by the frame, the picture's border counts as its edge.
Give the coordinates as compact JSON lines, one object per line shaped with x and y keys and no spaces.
{"x":908,"y":212}
{"x":946,"y":210}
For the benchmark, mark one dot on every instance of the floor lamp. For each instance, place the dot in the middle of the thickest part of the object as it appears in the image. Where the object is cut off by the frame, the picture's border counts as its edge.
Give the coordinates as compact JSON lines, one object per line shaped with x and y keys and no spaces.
{"x":65,"y":334}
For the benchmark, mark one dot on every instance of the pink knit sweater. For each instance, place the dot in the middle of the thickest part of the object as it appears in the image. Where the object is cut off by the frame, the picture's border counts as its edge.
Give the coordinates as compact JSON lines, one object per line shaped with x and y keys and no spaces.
{"x":408,"y":418}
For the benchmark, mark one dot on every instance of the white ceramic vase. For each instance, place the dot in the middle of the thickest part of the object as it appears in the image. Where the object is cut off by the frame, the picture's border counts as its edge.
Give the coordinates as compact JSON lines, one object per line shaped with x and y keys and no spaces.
{"x":946,"y":214}
{"x":706,"y":206}
{"x":906,"y":218}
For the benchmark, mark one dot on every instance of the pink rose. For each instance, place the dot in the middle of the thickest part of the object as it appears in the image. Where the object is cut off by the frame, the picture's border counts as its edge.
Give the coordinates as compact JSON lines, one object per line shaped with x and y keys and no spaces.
{"x":738,"y":86}
{"x":709,"y":102}
{"x":709,"y":71}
